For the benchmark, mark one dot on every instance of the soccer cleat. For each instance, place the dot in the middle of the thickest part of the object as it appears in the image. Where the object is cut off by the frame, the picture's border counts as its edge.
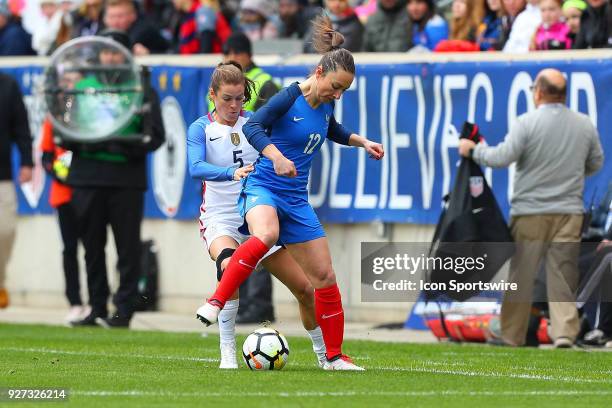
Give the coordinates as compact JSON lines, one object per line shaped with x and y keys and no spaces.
{"x":343,"y":363}
{"x":228,"y":356}
{"x":208,"y":313}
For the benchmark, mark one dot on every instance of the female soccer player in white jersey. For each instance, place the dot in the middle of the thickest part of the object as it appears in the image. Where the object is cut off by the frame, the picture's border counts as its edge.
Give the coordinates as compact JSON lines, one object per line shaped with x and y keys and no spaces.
{"x":220,"y":156}
{"x":287,"y":131}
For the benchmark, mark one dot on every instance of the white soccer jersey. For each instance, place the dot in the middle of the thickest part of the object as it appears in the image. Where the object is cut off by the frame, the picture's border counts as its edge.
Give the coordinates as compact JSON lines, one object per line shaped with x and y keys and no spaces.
{"x":226,"y":146}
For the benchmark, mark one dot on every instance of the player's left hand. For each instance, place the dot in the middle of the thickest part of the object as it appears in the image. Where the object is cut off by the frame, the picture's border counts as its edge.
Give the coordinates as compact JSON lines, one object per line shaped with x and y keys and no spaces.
{"x":374,"y":150}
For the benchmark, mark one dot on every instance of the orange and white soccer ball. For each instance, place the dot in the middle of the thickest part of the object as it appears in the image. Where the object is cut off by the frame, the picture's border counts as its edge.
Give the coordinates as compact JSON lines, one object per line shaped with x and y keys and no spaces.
{"x":265,"y":349}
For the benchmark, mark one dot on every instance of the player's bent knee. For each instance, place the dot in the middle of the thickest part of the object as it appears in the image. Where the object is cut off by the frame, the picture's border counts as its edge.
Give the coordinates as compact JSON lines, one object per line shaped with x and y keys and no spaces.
{"x":269,"y":238}
{"x":323,"y":278}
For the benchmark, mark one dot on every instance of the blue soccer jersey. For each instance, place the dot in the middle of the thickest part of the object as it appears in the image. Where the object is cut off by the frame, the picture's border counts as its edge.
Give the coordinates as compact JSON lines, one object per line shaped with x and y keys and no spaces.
{"x":298,"y":131}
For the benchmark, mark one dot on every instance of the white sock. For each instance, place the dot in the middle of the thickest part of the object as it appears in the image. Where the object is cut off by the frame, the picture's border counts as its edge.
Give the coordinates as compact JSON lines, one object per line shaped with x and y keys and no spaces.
{"x":318,"y":345}
{"x":227,"y":322}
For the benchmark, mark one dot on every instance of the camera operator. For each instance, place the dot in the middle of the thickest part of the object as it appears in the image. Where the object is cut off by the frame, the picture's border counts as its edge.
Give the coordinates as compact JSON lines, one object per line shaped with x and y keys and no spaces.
{"x":109,"y":181}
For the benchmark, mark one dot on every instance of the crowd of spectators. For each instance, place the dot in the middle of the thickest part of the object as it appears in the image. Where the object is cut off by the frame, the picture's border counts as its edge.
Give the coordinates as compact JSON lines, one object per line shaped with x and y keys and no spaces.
{"x":30,"y":27}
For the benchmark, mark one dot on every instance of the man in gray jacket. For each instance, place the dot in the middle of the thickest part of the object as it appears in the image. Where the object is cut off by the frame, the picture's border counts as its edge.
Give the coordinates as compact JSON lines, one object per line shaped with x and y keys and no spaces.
{"x":554,"y":149}
{"x":389,"y":29}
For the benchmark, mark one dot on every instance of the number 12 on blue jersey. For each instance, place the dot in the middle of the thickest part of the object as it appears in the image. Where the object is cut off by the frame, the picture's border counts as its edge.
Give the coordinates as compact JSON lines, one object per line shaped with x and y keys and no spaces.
{"x":314,"y":139}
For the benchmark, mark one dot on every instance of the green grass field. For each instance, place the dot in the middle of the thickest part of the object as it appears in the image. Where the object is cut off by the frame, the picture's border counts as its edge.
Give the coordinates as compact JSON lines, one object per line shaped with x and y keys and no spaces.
{"x":124,"y":368}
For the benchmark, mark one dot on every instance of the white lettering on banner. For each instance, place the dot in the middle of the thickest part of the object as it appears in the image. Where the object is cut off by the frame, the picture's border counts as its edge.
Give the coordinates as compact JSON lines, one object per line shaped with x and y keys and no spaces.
{"x":363,"y":200}
{"x":337,"y":200}
{"x":520,"y":85}
{"x":482,"y":81}
{"x":450,"y":137}
{"x":427,"y":161}
{"x":447,"y":92}
{"x":398,"y":140}
{"x":582,"y":81}
{"x":384,"y":136}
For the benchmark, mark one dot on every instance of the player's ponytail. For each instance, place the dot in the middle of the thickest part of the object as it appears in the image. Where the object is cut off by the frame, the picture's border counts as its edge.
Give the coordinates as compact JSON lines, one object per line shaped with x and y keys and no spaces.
{"x":327,"y":41}
{"x":230,"y":73}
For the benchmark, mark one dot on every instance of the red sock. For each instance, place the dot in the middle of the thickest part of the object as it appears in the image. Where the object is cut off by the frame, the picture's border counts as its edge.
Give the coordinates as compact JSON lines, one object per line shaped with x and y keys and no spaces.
{"x":330,"y":316}
{"x":238,"y":269}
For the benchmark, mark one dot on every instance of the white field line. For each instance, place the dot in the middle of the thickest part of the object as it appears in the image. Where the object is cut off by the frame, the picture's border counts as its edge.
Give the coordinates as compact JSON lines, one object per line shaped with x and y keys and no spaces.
{"x":476,"y":354}
{"x":472,"y":373}
{"x":468,"y":364}
{"x":450,"y":393}
{"x":458,"y":372}
{"x":89,"y":353}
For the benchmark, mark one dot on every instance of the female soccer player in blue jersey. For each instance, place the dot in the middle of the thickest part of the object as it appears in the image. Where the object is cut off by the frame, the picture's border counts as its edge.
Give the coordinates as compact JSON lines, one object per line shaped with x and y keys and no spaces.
{"x":288,"y":131}
{"x":220,"y":156}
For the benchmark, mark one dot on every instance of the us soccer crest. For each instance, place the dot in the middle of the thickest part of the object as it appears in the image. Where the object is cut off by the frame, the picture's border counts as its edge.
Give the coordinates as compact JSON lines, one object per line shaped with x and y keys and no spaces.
{"x":476,"y":186}
{"x":235,"y":138}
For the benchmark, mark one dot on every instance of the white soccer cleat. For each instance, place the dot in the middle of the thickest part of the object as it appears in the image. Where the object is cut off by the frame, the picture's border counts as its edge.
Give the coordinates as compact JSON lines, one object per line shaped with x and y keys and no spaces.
{"x":228,"y":356}
{"x":208,"y":313}
{"x":343,"y":363}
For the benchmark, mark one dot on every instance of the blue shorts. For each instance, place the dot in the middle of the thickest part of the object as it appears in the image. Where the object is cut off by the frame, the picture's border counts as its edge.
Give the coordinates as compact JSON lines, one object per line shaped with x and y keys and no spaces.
{"x":297,"y":219}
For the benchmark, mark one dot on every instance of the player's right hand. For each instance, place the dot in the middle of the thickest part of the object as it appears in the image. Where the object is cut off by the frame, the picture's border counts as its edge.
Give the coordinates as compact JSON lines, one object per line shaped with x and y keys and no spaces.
{"x":242,"y":172}
{"x":284,"y":167}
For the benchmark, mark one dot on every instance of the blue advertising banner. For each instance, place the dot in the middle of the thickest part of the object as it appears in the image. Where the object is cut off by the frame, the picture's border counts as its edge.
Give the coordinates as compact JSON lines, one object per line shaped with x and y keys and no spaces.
{"x":415,"y":110}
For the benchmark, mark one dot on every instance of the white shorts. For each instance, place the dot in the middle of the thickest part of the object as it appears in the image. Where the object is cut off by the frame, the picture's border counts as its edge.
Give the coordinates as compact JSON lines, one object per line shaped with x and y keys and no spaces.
{"x":221,"y":226}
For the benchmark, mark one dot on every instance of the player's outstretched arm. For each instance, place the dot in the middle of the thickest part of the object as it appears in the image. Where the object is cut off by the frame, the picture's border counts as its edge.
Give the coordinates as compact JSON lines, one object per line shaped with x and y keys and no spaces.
{"x":374,"y":150}
{"x":339,"y":134}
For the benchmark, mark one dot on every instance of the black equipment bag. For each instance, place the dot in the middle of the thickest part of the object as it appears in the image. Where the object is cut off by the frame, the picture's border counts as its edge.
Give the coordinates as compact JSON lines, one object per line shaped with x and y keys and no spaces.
{"x":471,"y":225}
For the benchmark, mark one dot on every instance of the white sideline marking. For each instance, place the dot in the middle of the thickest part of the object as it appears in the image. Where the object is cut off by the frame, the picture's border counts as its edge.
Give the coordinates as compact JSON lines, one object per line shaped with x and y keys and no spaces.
{"x":493,"y":374}
{"x":140,"y":393}
{"x":460,"y":372}
{"x":476,"y":353}
{"x":89,"y":353}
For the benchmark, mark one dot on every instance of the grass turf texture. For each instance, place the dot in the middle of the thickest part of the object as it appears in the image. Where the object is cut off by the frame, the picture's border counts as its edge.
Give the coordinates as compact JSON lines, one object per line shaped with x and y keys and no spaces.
{"x":104,"y":368}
